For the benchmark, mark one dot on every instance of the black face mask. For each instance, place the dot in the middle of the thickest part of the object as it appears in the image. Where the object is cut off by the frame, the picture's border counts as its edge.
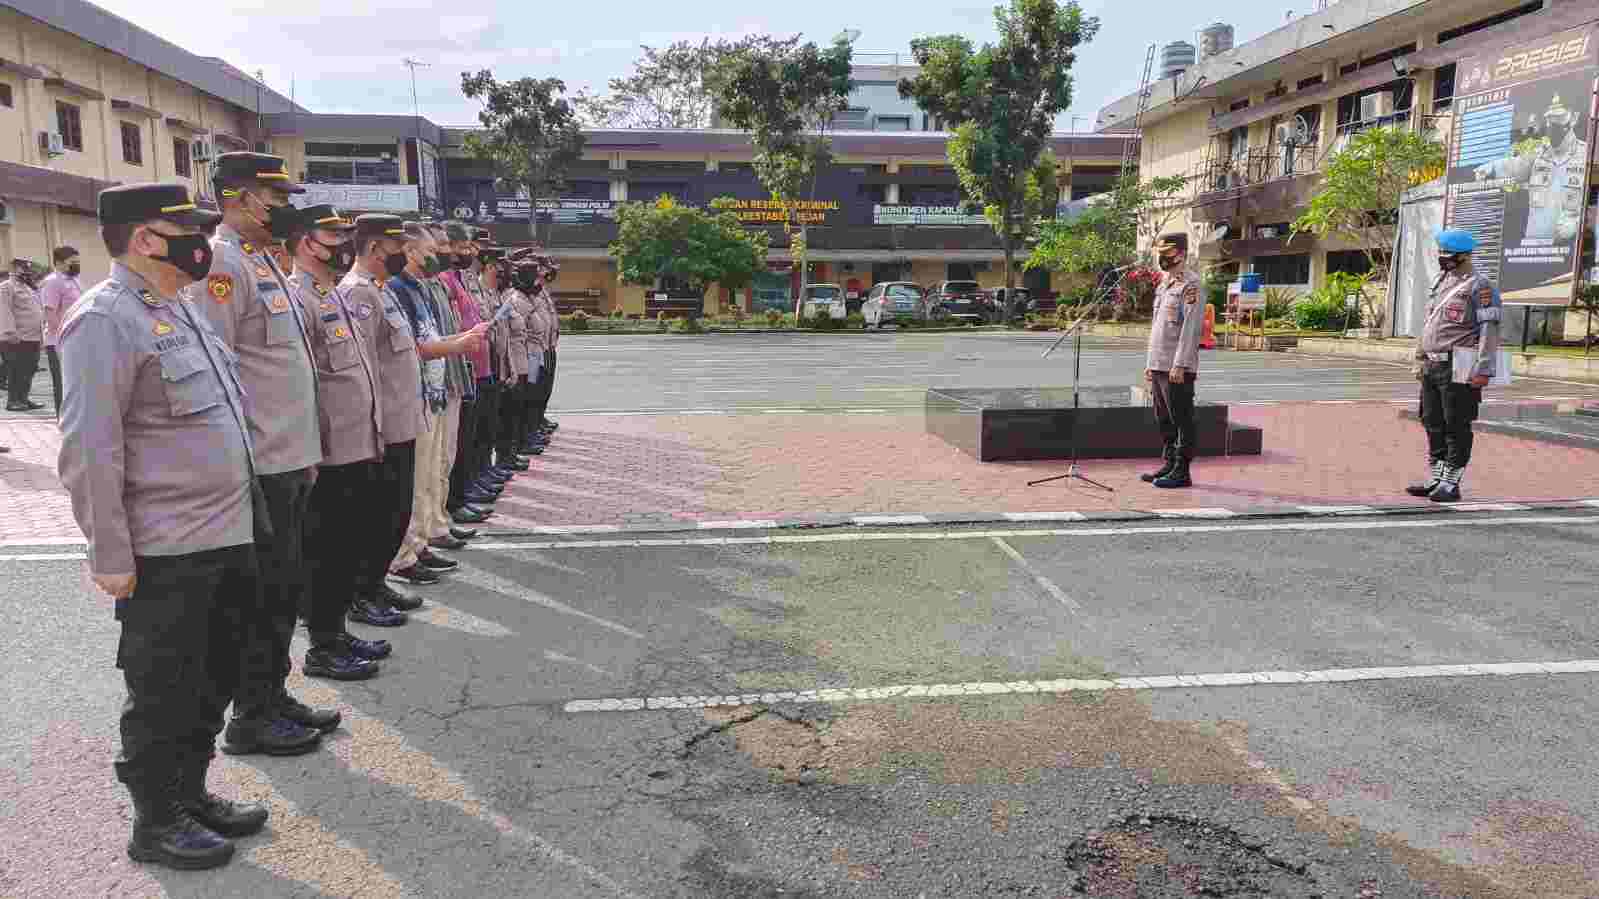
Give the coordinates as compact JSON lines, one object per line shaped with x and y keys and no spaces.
{"x":280,"y":221}
{"x":461,"y":262}
{"x":190,"y":254}
{"x":431,"y":266}
{"x":526,"y":281}
{"x":1448,"y":263}
{"x":341,"y":256}
{"x":394,"y":264}
{"x":1167,"y":263}
{"x":74,"y":269}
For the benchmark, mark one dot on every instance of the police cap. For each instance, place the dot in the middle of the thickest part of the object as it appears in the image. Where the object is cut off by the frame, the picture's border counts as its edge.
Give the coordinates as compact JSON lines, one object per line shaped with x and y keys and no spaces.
{"x":236,"y":168}
{"x":377,"y":224}
{"x":130,"y":204}
{"x":324,"y":215}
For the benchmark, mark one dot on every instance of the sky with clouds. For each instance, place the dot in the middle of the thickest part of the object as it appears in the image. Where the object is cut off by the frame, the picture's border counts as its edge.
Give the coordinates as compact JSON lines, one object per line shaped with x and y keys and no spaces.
{"x":336,"y":59}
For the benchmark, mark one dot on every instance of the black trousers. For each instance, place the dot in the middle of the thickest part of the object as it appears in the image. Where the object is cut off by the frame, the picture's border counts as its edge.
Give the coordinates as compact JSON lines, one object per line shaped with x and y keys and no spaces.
{"x":55,"y":376}
{"x":394,"y":492}
{"x":1447,"y":411}
{"x":21,"y":361}
{"x":461,"y":470}
{"x":182,"y":638}
{"x":542,"y":388}
{"x":342,"y":504}
{"x":1174,"y":413}
{"x":513,"y":424}
{"x":281,"y":558}
{"x":490,"y":394}
{"x":549,"y":385}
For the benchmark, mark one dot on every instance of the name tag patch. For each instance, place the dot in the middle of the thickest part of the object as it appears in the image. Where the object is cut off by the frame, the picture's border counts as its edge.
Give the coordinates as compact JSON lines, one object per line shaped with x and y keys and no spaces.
{"x":167,"y":344}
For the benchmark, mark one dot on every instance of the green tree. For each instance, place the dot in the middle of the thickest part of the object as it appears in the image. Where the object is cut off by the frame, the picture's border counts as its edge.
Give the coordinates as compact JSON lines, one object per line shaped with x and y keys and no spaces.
{"x":665,"y":239}
{"x":666,"y":90}
{"x":785,"y":94}
{"x":530,"y":133}
{"x":1357,"y":201}
{"x":1109,"y":232}
{"x":1002,"y":102}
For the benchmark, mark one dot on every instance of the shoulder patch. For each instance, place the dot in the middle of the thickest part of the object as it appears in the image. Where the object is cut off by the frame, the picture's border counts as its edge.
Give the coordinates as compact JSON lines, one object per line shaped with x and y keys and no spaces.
{"x":220,"y":287}
{"x":162,"y":329}
{"x":149,"y":299}
{"x":248,"y":247}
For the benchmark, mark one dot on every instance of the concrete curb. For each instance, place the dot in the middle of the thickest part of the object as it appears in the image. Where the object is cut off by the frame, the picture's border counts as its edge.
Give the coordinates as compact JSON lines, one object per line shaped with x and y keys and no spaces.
{"x":1402,"y":351}
{"x":1120,"y":516}
{"x":602,"y":332}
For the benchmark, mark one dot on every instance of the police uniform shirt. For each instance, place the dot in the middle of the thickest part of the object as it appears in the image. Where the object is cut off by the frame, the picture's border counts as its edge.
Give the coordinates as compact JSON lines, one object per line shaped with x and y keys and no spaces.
{"x":1179,"y":323}
{"x":247,"y":300}
{"x":1464,"y":314}
{"x":538,"y":326}
{"x":518,"y":327}
{"x":554,"y":316}
{"x":392,"y":346}
{"x":21,"y":316}
{"x":154,"y":448}
{"x":348,"y":412}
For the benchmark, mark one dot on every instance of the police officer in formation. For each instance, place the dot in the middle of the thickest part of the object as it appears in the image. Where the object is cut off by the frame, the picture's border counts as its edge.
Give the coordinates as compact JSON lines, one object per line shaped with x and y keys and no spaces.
{"x":1463,"y":317}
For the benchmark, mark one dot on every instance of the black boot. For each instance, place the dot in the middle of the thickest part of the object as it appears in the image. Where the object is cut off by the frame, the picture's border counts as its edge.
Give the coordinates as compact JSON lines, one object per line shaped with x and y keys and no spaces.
{"x":264,"y":731}
{"x":224,"y":816}
{"x":1171,"y":459}
{"x":322,"y":720}
{"x":164,"y":832}
{"x":1448,"y":489}
{"x":1177,"y":478}
{"x":1426,"y":487}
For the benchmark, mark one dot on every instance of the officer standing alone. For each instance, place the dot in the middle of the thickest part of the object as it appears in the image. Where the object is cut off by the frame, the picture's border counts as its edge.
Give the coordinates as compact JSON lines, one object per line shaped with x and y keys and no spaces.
{"x":156,"y":455}
{"x":1463,"y":316}
{"x":246,"y":297}
{"x":1173,"y":364}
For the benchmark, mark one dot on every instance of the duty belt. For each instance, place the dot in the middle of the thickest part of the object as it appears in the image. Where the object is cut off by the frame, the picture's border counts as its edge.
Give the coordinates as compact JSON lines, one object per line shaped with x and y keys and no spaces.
{"x":1440,"y":357}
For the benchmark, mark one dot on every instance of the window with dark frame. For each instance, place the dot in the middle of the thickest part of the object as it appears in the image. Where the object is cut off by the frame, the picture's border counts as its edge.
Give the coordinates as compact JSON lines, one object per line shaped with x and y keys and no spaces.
{"x":132,"y":144}
{"x":5,"y":95}
{"x":180,"y":158}
{"x":1443,"y":87}
{"x":69,"y":122}
{"x":1445,"y":37}
{"x":1291,"y":268}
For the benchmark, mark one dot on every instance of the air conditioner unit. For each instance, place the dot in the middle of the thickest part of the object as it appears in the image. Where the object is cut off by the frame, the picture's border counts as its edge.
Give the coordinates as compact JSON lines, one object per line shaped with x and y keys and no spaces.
{"x":51,"y":144}
{"x":1376,"y":106}
{"x":200,"y":151}
{"x":7,"y":217}
{"x":1286,"y":134}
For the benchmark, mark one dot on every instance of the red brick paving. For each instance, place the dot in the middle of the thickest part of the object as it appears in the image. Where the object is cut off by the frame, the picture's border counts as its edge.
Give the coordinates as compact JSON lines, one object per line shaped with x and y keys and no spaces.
{"x":635,"y":471}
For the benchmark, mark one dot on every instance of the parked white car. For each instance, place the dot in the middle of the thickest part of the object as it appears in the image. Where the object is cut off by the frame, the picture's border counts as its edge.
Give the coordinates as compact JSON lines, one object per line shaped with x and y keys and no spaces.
{"x":827,"y":298}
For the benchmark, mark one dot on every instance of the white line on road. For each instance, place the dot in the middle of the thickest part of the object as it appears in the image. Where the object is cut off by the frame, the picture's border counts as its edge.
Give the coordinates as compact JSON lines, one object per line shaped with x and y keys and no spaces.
{"x":874,"y":520}
{"x":756,"y":524}
{"x":554,"y":656}
{"x":441,"y":615}
{"x":1043,"y":582}
{"x":1194,"y":513}
{"x":1045,"y":516}
{"x":1230,"y":527}
{"x":485,"y":581}
{"x":1089,"y":685}
{"x":1338,"y":510}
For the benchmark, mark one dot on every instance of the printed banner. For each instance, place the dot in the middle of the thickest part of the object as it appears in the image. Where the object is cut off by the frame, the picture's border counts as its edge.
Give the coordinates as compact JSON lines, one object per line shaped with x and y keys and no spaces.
{"x":390,"y":198}
{"x":767,"y":212}
{"x":486,"y":207}
{"x":1518,"y":162}
{"x":883,"y":214}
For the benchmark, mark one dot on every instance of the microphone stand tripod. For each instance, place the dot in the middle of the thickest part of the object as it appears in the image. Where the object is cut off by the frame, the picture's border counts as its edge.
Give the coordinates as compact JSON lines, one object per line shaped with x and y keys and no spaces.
{"x":1074,"y":471}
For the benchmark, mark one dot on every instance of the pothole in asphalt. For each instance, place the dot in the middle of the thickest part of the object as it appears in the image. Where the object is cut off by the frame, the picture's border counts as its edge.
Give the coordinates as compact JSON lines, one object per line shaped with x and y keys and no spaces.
{"x":1167,"y":857}
{"x":790,"y":745}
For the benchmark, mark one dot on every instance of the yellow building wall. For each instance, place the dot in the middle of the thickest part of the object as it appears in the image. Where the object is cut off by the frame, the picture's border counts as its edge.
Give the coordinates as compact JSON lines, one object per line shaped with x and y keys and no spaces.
{"x":590,"y":274}
{"x":1177,"y":145}
{"x":24,"y":238}
{"x":82,"y":232}
{"x":631,"y":296}
{"x":63,"y":56}
{"x":122,"y":80}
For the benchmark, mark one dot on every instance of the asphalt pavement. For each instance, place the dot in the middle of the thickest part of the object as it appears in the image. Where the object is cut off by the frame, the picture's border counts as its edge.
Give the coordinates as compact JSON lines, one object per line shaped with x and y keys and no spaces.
{"x":914,"y":712}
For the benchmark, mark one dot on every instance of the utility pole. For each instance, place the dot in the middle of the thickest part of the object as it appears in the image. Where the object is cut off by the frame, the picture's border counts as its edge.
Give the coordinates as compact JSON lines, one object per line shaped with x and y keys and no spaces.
{"x":416,"y":115}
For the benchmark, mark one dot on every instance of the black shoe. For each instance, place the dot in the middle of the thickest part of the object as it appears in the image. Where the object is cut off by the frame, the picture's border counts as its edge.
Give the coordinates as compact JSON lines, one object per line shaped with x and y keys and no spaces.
{"x":363,"y":650}
{"x":18,"y":407}
{"x":365,"y":611}
{"x":463,"y":533}
{"x":416,"y":574}
{"x":515,"y":464}
{"x":466,"y":515}
{"x":33,"y":406}
{"x":531,"y":450}
{"x":491,"y":484}
{"x":322,"y":720}
{"x":549,"y":425}
{"x":1425,"y":488}
{"x":450,"y":543}
{"x":1448,"y":489}
{"x":164,"y":832}
{"x":335,"y":663}
{"x":388,"y":597}
{"x":223,"y":816}
{"x":1164,"y":470}
{"x":272,"y":736}
{"x":434,"y":562}
{"x":1177,"y":478}
{"x":480,"y":498}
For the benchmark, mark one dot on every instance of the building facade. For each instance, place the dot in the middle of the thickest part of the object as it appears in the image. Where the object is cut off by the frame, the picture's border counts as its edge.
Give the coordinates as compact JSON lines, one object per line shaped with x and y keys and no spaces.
{"x":1252,"y":127}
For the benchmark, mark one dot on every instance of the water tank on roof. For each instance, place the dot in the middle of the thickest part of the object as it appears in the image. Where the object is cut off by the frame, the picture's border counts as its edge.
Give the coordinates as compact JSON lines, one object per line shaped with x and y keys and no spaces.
{"x":1215,"y":39}
{"x":1176,"y":58}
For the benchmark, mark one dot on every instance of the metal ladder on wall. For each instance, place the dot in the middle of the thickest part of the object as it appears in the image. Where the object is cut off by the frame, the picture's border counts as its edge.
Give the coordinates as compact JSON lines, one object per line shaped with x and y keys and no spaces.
{"x":1132,"y":149}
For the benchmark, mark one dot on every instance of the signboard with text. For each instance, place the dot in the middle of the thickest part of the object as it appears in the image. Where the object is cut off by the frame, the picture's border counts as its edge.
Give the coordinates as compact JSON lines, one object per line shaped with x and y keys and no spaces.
{"x":885,"y":214}
{"x":390,"y":198}
{"x":1518,"y":162}
{"x":486,"y":208}
{"x":768,"y":212}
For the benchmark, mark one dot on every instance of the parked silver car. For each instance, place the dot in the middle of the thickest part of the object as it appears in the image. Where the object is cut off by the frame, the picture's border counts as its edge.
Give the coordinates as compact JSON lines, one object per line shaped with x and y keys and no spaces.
{"x":825,"y":298}
{"x":892,"y":302}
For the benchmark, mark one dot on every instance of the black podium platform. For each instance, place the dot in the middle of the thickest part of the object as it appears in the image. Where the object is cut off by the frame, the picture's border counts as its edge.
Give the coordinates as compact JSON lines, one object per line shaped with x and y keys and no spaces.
{"x":1017,"y":424}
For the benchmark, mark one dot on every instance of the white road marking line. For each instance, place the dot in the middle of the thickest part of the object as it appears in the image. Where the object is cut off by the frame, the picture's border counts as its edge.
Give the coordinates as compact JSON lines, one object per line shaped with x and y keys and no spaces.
{"x":483,"y":580}
{"x":1045,"y":516}
{"x":1194,"y":513}
{"x":756,"y":524}
{"x":554,"y":656}
{"x":46,"y":541}
{"x":1038,"y":577}
{"x":46,"y":557}
{"x":864,"y":411}
{"x":873,"y":520}
{"x":456,"y":620}
{"x":1486,"y":507}
{"x":1337,"y":510}
{"x":1230,"y":527}
{"x":1089,"y":685}
{"x":1591,"y":502}
{"x":578,"y":529}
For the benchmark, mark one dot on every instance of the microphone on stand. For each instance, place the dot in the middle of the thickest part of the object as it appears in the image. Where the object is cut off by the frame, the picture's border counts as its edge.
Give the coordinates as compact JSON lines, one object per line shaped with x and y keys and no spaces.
{"x":1107,"y":285}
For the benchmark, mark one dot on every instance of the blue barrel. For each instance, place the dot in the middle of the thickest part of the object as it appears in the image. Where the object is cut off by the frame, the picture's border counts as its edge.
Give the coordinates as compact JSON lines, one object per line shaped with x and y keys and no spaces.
{"x":1249,"y":282}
